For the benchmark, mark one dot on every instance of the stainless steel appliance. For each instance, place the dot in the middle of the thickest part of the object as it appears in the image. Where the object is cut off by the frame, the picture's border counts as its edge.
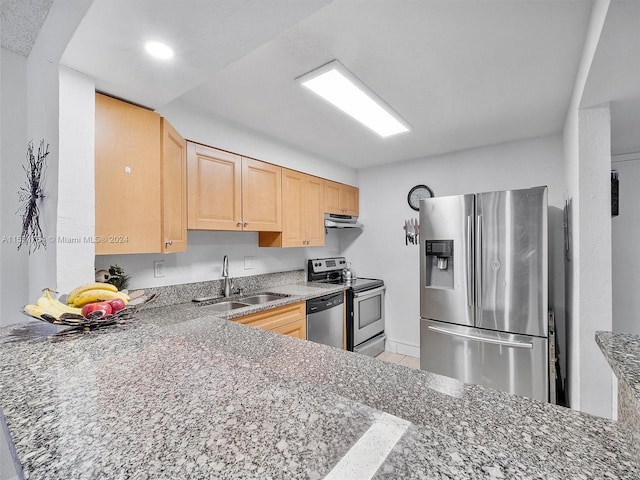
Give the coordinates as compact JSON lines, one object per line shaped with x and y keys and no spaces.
{"x":484,"y":289}
{"x":332,"y":220}
{"x":325,"y":320}
{"x":364,"y":309}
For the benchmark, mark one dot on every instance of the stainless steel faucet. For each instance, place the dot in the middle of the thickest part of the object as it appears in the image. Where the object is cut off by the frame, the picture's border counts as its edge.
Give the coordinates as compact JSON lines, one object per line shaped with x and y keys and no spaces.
{"x":227,"y":283}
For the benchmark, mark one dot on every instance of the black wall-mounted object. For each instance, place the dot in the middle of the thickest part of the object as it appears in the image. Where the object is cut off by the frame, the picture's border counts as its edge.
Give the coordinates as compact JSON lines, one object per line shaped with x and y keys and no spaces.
{"x":615,"y":188}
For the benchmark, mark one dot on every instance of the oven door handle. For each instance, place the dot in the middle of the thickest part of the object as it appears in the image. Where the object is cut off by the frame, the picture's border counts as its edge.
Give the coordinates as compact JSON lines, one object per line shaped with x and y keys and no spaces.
{"x":370,"y":293}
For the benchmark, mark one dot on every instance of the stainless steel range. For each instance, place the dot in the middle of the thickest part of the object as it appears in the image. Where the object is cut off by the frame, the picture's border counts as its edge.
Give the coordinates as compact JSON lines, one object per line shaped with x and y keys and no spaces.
{"x":364,"y":304}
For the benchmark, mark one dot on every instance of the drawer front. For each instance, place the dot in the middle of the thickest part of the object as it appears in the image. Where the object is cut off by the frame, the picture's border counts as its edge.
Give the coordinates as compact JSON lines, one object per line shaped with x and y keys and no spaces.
{"x":296,"y":329}
{"x":275,"y":317}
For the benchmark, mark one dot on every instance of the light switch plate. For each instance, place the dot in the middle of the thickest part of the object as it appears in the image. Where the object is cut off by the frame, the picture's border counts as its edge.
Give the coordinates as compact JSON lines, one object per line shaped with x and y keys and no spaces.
{"x":248,"y":263}
{"x":158,"y":268}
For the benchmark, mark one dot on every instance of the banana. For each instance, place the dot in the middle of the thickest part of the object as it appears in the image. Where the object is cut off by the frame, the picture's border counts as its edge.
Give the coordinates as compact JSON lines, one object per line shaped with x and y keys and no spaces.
{"x":89,"y":286}
{"x":48,"y":305}
{"x":34,"y":311}
{"x":58,"y":305}
{"x":96,"y":295}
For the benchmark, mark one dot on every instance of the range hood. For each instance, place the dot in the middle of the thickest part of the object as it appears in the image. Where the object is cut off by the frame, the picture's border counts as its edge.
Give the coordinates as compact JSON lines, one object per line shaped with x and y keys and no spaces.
{"x":332,"y":220}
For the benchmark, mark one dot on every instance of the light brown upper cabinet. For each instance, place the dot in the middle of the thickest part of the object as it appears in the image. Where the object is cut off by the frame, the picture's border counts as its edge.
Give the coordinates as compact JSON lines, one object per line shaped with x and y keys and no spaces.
{"x":302,"y":212}
{"x":174,"y":189}
{"x":341,"y":199}
{"x":230,"y":192}
{"x":139,"y":162}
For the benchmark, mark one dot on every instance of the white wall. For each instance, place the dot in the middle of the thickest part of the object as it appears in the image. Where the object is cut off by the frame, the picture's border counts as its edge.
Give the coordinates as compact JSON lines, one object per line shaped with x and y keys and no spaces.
{"x":203,"y":259}
{"x":42,"y":115}
{"x":380,"y":252}
{"x":30,"y":112}
{"x":589,"y":387}
{"x":595,"y":242}
{"x":76,"y":198}
{"x":572,"y":265}
{"x":14,"y":271}
{"x":625,"y":232}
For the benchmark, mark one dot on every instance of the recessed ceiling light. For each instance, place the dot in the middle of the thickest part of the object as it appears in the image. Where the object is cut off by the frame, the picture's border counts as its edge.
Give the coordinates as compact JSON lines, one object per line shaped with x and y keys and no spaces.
{"x":336,"y":84}
{"x":159,"y":50}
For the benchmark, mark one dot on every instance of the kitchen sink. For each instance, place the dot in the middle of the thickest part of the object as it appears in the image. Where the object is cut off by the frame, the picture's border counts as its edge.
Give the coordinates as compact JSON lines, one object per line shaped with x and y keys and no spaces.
{"x":225,"y":306}
{"x":262,"y":298}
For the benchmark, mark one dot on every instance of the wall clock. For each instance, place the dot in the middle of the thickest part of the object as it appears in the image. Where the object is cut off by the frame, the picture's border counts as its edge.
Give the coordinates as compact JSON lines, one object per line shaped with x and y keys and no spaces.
{"x":416,"y":193}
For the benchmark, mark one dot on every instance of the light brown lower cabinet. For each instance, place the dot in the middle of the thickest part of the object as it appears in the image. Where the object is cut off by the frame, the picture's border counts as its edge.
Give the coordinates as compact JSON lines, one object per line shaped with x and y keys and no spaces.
{"x":289,"y":320}
{"x":296,"y":329}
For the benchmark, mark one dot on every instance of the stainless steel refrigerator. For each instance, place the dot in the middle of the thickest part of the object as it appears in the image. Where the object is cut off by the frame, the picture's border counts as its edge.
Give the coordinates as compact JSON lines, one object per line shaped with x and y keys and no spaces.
{"x":484,"y":289}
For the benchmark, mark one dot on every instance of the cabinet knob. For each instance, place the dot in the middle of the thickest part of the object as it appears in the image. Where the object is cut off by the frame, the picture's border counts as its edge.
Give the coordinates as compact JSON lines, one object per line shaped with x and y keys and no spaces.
{"x":246,"y":224}
{"x":239,"y":224}
{"x":168,"y":243}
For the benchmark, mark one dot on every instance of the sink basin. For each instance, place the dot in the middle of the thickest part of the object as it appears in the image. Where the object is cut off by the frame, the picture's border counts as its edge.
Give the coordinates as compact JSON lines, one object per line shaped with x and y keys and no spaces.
{"x":225,"y":306}
{"x":262,"y":298}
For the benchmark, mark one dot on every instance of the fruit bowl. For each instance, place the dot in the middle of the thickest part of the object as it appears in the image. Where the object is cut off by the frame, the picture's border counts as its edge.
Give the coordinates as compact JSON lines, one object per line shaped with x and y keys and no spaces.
{"x":97,"y":319}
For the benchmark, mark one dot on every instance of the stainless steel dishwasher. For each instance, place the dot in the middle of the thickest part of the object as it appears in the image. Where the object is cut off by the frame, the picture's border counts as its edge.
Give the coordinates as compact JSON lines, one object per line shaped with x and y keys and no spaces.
{"x":325,"y":320}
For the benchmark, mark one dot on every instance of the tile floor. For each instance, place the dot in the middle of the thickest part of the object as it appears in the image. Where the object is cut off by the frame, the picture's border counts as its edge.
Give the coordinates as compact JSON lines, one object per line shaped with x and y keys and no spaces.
{"x":406,"y":360}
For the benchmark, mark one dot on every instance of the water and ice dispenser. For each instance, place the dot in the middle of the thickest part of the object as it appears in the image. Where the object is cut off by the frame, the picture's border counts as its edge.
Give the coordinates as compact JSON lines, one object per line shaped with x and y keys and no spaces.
{"x":439,"y":263}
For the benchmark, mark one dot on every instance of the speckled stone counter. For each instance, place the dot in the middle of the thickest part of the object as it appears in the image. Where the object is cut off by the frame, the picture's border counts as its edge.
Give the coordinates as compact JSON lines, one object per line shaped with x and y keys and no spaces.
{"x":180,"y":393}
{"x":622,"y":351}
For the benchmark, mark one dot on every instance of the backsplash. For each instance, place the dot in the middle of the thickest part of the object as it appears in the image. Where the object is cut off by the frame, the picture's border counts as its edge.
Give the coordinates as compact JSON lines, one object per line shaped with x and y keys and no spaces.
{"x":202,"y":262}
{"x":174,"y":294}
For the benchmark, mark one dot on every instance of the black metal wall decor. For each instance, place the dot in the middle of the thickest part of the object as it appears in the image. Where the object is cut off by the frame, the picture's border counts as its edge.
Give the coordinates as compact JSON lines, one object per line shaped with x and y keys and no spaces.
{"x":30,"y":196}
{"x":615,"y":193}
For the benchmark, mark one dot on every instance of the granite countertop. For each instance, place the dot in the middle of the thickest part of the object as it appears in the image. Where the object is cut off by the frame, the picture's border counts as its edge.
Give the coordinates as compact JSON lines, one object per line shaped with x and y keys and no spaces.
{"x":622,"y":351}
{"x":180,"y":393}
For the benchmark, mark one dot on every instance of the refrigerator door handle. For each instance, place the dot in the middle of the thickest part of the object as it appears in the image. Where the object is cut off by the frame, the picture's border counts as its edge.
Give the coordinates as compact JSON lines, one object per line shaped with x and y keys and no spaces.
{"x":479,"y":338}
{"x":479,"y":267}
{"x":470,"y":272}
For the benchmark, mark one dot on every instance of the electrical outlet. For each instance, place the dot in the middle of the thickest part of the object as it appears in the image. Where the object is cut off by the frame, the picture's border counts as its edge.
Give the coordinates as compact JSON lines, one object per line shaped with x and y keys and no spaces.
{"x":158,"y":268}
{"x":248,"y":263}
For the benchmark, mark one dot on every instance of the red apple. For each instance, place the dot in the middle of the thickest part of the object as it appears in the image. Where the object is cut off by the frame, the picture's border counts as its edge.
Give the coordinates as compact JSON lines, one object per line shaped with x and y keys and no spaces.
{"x":117,"y":304}
{"x":90,"y":308}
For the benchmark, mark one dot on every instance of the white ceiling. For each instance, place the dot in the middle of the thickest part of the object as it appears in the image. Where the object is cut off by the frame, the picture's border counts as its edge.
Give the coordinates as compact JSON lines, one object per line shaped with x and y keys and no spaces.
{"x":463,"y":73}
{"x":21,"y":21}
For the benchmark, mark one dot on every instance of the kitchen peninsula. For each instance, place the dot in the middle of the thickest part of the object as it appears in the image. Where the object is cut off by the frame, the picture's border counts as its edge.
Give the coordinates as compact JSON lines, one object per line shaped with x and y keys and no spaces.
{"x":182,"y":393}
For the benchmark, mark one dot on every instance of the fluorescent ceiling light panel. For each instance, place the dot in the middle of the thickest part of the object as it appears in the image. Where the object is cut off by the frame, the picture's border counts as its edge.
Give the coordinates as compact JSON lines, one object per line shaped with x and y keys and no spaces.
{"x":159,"y":50}
{"x":336,"y":84}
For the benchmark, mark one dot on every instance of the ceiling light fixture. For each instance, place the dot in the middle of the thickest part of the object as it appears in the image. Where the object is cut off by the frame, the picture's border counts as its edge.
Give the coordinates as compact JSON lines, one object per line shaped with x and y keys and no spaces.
{"x":159,"y":50}
{"x":339,"y":86}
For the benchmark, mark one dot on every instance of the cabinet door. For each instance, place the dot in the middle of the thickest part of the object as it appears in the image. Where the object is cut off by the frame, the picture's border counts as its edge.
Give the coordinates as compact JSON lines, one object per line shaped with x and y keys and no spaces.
{"x":261,"y":196}
{"x":214,"y":181}
{"x":302,"y":212}
{"x":341,"y":199}
{"x":314,"y":211}
{"x":127,"y":178}
{"x":297,"y":329}
{"x":293,"y":208}
{"x":174,"y":190}
{"x":275,"y":317}
{"x":332,"y":197}
{"x":349,"y":201}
